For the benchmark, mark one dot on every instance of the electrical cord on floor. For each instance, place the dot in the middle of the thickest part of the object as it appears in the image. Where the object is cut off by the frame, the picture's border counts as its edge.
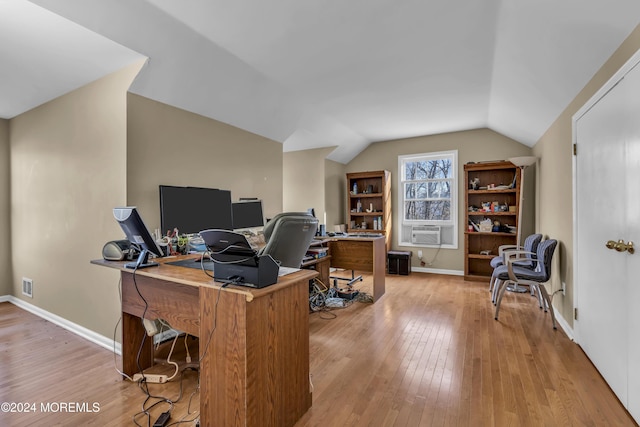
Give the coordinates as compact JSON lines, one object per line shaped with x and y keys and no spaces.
{"x":194,"y":415}
{"x":430,"y":263}
{"x":143,"y":385}
{"x":169,"y":359}
{"x":186,"y":347}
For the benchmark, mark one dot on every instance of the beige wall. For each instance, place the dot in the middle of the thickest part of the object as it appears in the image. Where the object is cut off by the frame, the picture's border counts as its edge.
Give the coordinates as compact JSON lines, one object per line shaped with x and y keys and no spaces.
{"x":170,"y":146}
{"x":68,"y":170}
{"x":555,"y":195}
{"x":335,"y":193}
{"x":5,"y":209}
{"x":303,"y":183}
{"x":474,"y":145}
{"x":310,"y":180}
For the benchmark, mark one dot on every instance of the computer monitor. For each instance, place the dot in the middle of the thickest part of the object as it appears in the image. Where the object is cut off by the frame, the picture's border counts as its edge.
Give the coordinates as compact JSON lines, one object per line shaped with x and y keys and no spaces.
{"x":138,"y":234}
{"x":247,"y":214}
{"x":192,"y":209}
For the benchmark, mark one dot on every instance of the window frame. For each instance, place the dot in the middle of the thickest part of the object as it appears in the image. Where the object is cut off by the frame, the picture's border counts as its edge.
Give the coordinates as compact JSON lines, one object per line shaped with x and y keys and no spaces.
{"x":454,"y":189}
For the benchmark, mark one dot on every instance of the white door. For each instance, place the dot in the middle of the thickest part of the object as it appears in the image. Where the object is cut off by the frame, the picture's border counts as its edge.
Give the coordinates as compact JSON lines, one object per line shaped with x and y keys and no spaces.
{"x":608,"y":208}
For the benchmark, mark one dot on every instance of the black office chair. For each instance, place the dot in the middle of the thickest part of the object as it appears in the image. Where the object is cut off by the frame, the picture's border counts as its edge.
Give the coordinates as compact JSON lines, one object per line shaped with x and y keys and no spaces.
{"x":512,"y":273}
{"x":527,"y":259}
{"x":287,"y":237}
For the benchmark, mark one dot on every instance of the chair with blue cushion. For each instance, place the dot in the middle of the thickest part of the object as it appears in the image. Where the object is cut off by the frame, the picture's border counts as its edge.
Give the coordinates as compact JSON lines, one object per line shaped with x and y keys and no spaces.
{"x":527,"y":259}
{"x":512,"y":272}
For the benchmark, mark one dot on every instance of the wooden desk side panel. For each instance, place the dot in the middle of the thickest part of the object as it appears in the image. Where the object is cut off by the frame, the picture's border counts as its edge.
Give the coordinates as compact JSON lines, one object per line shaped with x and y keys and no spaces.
{"x":174,"y":302}
{"x":352,"y":254}
{"x":278,"y":357}
{"x":223,"y":394}
{"x":379,"y":268}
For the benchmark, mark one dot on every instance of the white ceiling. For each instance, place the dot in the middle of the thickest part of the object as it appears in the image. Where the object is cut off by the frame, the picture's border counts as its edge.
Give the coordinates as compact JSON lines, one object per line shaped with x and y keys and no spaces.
{"x":322,"y":73}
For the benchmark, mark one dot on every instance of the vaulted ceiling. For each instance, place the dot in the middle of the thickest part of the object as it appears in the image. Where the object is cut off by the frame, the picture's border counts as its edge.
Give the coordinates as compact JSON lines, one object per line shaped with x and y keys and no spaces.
{"x":322,"y":73}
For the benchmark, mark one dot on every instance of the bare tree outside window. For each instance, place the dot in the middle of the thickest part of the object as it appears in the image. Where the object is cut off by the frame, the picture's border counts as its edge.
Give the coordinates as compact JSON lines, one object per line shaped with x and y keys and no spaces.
{"x":427,"y":189}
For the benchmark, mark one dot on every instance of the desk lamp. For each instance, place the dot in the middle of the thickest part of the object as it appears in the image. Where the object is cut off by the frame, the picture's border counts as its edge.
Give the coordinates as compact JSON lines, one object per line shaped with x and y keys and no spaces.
{"x":522,"y":163}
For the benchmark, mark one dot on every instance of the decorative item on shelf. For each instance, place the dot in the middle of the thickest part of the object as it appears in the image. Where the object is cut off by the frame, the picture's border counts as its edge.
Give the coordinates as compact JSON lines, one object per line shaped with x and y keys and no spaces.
{"x":496,"y":226}
{"x":474,"y":184}
{"x":370,"y":189}
{"x":355,"y":188}
{"x":486,"y":225}
{"x":359,"y":208}
{"x":485,"y":252}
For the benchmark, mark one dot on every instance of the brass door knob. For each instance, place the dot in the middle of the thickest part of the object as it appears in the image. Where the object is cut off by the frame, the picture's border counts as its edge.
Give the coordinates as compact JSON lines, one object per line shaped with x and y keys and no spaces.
{"x":620,"y":246}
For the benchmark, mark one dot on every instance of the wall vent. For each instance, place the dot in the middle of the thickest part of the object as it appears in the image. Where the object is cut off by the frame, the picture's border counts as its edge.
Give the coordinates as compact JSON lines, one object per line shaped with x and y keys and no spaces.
{"x":27,"y":287}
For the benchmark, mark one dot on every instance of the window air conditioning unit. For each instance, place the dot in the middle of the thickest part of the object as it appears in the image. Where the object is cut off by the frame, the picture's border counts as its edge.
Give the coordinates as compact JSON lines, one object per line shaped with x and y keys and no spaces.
{"x":425,"y":235}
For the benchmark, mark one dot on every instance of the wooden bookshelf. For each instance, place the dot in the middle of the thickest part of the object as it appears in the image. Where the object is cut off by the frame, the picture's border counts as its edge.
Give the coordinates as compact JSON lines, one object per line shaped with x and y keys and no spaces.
{"x":372,"y":192}
{"x":497,"y":174}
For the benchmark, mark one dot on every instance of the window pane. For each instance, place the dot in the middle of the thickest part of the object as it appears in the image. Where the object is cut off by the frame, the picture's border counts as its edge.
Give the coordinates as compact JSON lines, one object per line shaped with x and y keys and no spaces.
{"x":416,"y":190}
{"x":428,"y":190}
{"x":440,"y":190}
{"x":433,"y":210}
{"x":428,"y":169}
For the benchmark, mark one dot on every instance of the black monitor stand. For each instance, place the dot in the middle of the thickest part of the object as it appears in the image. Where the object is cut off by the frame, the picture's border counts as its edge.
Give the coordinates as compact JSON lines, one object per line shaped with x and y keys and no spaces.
{"x":142,"y":261}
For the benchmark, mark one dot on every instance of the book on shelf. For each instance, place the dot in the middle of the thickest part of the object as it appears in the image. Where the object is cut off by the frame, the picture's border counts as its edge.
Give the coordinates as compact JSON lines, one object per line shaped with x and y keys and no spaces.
{"x":317,"y":252}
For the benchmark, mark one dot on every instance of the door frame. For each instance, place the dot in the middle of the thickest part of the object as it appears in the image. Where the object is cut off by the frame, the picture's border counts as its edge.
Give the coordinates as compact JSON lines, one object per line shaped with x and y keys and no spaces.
{"x":632,"y":62}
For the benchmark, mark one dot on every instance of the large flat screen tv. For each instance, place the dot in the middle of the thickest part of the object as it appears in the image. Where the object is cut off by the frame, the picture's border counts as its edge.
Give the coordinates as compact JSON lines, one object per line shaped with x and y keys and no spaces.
{"x":247,"y":214}
{"x":193,"y":209}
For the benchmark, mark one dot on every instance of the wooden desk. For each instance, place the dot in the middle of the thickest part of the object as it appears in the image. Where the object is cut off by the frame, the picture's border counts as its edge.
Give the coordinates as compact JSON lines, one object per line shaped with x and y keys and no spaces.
{"x":255,"y":369}
{"x":321,"y":265}
{"x":361,"y":254}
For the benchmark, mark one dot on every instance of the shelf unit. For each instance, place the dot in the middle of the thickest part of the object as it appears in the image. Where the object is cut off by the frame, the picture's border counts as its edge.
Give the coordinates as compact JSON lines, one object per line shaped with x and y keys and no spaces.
{"x":373,"y":192}
{"x":502,"y":173}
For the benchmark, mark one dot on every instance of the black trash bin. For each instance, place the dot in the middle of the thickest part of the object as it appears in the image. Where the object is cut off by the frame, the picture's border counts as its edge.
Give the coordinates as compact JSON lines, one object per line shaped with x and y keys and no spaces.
{"x":399,"y":262}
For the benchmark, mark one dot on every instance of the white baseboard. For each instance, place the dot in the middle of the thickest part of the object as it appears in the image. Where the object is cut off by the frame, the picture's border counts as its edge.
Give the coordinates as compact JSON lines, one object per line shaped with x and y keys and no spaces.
{"x":437,"y":271}
{"x":79,"y":330}
{"x":562,"y":322}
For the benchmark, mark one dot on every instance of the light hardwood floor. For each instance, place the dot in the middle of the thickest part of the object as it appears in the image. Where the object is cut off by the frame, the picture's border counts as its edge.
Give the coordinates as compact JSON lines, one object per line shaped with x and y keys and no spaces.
{"x":428,"y":353}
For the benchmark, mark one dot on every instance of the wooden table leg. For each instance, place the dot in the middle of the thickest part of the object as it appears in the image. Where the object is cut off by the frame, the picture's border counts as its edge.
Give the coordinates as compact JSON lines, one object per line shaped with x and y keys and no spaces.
{"x":132,"y":334}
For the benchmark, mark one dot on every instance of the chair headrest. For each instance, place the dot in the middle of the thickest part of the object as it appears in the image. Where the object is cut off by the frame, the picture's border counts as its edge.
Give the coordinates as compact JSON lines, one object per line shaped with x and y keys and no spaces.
{"x":268,"y":229}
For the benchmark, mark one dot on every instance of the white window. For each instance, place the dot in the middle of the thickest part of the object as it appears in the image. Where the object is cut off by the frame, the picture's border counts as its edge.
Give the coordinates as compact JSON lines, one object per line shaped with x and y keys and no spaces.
{"x":427,"y":197}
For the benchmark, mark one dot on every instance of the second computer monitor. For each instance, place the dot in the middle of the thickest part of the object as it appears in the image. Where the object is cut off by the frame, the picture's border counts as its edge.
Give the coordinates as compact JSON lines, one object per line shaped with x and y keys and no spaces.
{"x":247,"y":214}
{"x":192,"y":209}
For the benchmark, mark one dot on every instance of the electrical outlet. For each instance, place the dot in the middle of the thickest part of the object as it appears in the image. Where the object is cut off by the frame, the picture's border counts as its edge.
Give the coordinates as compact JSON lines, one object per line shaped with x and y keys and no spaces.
{"x":153,"y":327}
{"x":419,"y":254}
{"x":564,"y":288}
{"x":27,"y":287}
